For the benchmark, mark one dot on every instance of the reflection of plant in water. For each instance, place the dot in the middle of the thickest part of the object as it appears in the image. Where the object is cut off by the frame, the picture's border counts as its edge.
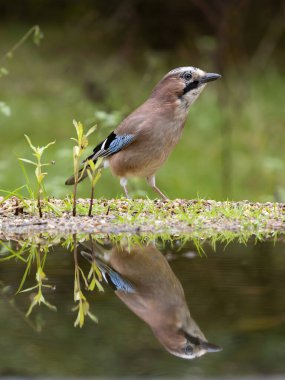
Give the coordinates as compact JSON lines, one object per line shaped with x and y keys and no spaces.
{"x":38,"y":254}
{"x":6,"y":296}
{"x":30,"y":252}
{"x":36,"y":250}
{"x":83,"y":306}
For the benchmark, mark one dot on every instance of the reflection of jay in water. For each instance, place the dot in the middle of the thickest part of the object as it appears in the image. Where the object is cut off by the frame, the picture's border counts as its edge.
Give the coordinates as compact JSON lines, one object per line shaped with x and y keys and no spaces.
{"x":144,"y":281}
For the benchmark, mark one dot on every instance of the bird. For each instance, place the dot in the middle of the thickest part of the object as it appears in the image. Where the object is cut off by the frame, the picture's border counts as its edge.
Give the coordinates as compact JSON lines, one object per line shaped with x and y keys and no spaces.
{"x":144,"y":281}
{"x":142,"y":142}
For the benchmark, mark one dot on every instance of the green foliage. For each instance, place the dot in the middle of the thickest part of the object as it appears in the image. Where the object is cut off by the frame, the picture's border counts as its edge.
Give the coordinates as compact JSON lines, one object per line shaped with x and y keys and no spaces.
{"x":83,"y":307}
{"x":29,"y":252}
{"x":5,"y":109}
{"x":81,"y":144}
{"x":40,"y":174}
{"x":94,"y":174}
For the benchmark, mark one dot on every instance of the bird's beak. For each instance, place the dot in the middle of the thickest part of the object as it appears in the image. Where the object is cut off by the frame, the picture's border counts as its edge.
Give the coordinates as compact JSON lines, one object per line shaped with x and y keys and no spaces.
{"x":210,"y":347}
{"x":209,"y":77}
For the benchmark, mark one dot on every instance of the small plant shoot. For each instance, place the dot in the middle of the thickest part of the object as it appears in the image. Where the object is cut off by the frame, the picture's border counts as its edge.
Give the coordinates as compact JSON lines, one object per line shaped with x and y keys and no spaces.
{"x":40,"y":174}
{"x":78,"y":149}
{"x":94,"y":173}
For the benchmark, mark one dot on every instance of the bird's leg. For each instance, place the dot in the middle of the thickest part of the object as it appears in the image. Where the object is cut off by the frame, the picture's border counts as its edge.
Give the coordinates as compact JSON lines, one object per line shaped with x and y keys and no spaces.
{"x":151,"y":182}
{"x":123,"y":183}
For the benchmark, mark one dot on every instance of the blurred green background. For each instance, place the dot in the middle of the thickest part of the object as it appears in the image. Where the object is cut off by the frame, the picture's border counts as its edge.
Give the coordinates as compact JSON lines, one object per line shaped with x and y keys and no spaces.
{"x":100,"y":59}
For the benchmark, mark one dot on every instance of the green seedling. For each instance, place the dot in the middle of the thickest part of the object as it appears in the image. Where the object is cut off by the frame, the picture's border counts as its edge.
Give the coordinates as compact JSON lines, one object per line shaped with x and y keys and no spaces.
{"x":40,"y":175}
{"x":78,"y":149}
{"x":94,"y":173}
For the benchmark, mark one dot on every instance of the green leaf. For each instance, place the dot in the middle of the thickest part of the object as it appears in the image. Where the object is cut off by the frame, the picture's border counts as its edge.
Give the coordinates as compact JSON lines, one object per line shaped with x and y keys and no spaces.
{"x":29,"y":289}
{"x":27,"y":161}
{"x":3,"y":71}
{"x":38,"y":35}
{"x":92,"y":317}
{"x":84,"y":142}
{"x":25,"y":275}
{"x":92,"y":284}
{"x":48,"y":145}
{"x":99,"y":162}
{"x":33,"y":304}
{"x":30,"y":144}
{"x":91,"y":130}
{"x":79,"y":129}
{"x":5,"y":109}
{"x":90,"y":176}
{"x":49,"y":305}
{"x":76,"y":151}
{"x":92,"y":165}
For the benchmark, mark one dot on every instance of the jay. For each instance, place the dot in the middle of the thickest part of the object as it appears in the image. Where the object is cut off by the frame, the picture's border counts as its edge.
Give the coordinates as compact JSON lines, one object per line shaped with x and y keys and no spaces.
{"x":141,"y":144}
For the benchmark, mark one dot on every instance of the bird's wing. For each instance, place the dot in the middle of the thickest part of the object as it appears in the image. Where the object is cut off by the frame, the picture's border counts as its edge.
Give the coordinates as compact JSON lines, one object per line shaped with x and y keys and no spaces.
{"x":112,"y":277}
{"x":111,"y":145}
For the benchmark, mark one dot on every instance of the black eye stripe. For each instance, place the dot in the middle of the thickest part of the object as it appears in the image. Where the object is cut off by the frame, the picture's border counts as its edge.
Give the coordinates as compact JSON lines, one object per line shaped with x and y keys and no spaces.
{"x":192,"y":339}
{"x":190,"y":86}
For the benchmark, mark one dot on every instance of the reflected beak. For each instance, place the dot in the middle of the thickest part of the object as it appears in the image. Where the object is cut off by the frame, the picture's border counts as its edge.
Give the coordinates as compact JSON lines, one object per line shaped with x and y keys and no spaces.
{"x":209,"y":77}
{"x":210,"y":347}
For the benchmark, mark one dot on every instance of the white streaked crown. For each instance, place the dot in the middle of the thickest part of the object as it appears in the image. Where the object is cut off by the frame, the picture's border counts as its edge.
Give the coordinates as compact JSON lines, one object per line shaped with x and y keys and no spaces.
{"x":180,"y":70}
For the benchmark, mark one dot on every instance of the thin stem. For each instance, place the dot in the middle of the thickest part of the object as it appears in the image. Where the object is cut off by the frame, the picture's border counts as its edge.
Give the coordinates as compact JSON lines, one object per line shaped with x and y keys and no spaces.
{"x":39,"y":205}
{"x":20,"y":42}
{"x":76,"y":175}
{"x":74,"y":197}
{"x":75,"y":249}
{"x":39,"y":266}
{"x":91,"y":201}
{"x":39,"y":166}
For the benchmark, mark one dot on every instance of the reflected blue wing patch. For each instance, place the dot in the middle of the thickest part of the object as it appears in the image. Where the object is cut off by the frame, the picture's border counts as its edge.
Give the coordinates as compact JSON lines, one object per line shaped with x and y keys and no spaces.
{"x":114,"y":279}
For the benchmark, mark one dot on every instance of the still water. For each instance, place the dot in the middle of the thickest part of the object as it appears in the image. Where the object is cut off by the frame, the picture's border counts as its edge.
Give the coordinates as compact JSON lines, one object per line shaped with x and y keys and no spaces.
{"x":164,"y":308}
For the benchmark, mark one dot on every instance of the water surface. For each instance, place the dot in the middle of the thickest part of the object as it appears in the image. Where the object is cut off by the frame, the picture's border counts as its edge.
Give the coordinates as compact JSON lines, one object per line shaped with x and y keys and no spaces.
{"x":234,"y":293}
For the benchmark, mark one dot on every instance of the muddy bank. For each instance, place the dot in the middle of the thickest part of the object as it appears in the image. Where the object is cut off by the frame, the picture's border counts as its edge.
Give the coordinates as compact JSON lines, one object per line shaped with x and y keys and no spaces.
{"x":18,"y":217}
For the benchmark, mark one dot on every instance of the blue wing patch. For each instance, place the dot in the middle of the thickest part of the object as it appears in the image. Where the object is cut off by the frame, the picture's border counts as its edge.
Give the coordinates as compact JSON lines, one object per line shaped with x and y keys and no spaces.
{"x":114,"y":279}
{"x":111,"y":145}
{"x":119,"y":143}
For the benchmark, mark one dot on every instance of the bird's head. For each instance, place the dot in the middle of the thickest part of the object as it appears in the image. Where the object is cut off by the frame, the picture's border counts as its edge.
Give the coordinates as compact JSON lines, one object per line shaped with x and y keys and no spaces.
{"x":184,"y":83}
{"x":182,"y":337}
{"x":192,"y":346}
{"x":195,"y":347}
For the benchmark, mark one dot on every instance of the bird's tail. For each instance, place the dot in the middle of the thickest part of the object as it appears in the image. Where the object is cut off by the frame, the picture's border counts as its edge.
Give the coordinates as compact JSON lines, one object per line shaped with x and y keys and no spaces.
{"x":82,"y":174}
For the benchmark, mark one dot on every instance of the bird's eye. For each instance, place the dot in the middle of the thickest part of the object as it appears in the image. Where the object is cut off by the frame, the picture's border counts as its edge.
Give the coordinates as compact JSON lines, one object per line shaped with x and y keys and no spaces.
{"x":188,"y":350}
{"x":187,"y":76}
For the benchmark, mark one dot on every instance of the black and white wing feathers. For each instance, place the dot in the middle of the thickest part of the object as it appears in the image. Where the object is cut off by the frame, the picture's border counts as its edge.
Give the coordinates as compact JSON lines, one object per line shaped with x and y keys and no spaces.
{"x":111,"y":145}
